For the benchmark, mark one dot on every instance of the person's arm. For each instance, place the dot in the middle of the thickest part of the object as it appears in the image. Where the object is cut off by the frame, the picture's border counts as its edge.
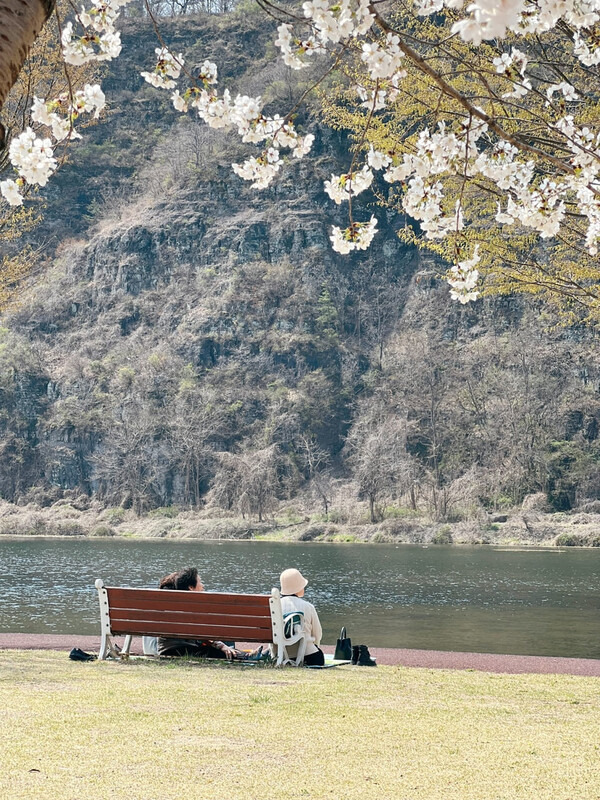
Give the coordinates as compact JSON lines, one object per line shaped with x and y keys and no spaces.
{"x":317,"y":630}
{"x":229,"y":651}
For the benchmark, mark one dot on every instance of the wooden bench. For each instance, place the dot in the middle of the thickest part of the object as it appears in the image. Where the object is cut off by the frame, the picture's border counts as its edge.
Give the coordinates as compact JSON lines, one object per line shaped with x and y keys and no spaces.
{"x":178,"y":614}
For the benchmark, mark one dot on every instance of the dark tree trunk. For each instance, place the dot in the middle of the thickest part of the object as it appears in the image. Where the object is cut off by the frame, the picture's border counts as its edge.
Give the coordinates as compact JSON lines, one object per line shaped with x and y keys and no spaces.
{"x":20,"y":23}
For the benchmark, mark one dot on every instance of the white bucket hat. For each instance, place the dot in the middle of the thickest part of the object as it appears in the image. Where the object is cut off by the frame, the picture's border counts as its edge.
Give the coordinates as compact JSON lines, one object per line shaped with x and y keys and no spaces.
{"x":292,"y":581}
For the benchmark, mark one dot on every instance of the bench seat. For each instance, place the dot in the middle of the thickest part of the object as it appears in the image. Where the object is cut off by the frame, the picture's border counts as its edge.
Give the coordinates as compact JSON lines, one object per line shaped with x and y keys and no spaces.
{"x":177,"y":614}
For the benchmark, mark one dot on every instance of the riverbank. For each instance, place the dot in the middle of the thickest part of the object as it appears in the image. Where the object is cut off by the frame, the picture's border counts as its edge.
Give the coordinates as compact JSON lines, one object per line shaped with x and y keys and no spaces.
{"x":185,"y":729}
{"x":400,"y":657}
{"x":82,"y":517}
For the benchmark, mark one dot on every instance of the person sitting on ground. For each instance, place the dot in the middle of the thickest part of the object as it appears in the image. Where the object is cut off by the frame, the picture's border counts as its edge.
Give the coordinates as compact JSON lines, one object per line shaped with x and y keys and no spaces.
{"x":188,"y":580}
{"x":293,"y":584}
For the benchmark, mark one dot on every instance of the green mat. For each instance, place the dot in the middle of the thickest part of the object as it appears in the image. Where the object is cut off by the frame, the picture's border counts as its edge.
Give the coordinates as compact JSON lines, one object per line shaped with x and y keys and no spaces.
{"x":329,"y":662}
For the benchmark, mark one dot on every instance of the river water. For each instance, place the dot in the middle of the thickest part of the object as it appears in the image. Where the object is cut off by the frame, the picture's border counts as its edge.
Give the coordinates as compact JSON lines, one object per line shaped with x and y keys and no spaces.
{"x":478,"y":599}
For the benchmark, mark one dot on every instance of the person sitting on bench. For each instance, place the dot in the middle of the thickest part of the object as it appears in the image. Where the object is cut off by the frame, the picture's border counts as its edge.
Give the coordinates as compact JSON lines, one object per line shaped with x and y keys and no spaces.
{"x":188,"y":580}
{"x":293,"y":605}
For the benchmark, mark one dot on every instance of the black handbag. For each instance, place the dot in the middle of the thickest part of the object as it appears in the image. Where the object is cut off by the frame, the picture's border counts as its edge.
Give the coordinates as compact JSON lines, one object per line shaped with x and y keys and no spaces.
{"x":343,"y":648}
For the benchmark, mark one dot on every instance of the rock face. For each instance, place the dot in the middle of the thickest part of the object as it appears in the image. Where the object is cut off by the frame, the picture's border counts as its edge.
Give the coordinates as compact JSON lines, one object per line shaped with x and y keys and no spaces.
{"x":200,"y":341}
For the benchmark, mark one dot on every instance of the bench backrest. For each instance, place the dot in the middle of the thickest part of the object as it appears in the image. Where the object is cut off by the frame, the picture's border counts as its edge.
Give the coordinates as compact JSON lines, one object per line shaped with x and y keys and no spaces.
{"x":190,"y":615}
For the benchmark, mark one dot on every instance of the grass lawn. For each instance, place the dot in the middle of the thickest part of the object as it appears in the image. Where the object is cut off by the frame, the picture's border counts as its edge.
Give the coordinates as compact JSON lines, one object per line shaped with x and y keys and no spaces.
{"x":160,"y":731}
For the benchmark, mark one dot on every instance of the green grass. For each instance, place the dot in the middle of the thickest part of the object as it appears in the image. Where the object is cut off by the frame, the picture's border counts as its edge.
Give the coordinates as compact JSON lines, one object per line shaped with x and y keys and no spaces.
{"x":156,"y":731}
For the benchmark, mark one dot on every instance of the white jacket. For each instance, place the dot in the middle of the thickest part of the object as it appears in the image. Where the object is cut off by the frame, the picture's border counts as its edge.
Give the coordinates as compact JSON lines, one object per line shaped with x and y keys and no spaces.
{"x":311,"y":624}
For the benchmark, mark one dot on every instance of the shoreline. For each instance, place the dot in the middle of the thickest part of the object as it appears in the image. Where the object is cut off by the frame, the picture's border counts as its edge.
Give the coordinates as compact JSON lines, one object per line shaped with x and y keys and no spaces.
{"x":501,"y":546}
{"x":399,"y":657}
{"x":85,"y":518}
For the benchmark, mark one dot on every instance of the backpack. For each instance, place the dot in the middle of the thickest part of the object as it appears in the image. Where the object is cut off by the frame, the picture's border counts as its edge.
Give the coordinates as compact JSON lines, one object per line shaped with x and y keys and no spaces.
{"x":292,"y":623}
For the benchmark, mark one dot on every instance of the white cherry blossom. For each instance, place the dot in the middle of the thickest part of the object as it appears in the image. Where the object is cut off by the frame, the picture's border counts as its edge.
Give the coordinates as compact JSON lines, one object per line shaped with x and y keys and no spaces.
{"x":342,"y":187}
{"x":260,"y":171}
{"x":356,"y":237}
{"x":378,"y":160}
{"x":179,"y":102}
{"x":32,"y":157}
{"x":10,"y":192}
{"x":463,"y":278}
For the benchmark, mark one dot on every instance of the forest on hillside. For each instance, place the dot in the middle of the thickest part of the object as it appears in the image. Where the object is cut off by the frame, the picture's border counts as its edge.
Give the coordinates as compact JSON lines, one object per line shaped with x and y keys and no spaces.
{"x":187,"y":343}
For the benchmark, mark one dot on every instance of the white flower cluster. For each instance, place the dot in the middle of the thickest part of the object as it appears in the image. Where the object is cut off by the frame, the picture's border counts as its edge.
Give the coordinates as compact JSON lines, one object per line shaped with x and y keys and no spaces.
{"x":539,"y":207}
{"x":261,"y":170}
{"x":337,"y":22}
{"x":278,"y":134}
{"x":242,"y":113}
{"x":568,"y":91}
{"x":385,"y":93}
{"x":167,"y":70}
{"x":491,"y":19}
{"x":32,"y":156}
{"x":531,"y":202}
{"x":357,"y":236}
{"x":377,"y":159}
{"x":62,"y":127}
{"x":463,"y":279}
{"x":90,"y":98}
{"x":444,"y":154}
{"x":514,"y":66}
{"x":436,"y":154}
{"x":330,"y":23}
{"x":100,"y":40}
{"x":587,"y":51}
{"x":292,"y":47}
{"x":342,"y":187}
{"x":79,"y":50}
{"x":383,"y":61}
{"x":10,"y":191}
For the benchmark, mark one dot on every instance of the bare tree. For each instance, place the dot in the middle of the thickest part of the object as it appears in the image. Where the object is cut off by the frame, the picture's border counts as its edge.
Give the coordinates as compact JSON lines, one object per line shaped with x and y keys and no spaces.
{"x":197,"y":425}
{"x":131,"y":465}
{"x":316,"y":464}
{"x":248,"y":482}
{"x":376,"y":449}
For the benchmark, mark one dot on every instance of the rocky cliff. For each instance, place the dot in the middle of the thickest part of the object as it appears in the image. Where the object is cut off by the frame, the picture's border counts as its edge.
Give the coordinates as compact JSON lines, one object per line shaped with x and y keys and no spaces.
{"x":193,"y":341}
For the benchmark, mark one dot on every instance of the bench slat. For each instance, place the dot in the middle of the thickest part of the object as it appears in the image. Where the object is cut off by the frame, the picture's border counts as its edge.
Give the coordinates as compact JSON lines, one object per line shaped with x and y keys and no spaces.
{"x":210,"y":618}
{"x":117,"y":595}
{"x":192,"y":631}
{"x":181,"y":605}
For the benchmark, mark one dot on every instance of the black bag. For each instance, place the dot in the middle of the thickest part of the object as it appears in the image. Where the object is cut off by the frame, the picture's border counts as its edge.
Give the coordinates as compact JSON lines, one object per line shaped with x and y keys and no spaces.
{"x":343,"y":648}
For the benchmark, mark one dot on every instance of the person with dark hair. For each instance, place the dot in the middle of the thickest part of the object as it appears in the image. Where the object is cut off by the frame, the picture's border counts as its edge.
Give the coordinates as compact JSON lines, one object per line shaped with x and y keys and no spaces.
{"x":188,"y":580}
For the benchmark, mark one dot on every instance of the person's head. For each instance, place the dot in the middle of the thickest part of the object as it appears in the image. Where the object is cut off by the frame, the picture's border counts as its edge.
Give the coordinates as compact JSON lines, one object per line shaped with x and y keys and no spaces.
{"x":292,"y":582}
{"x":186,"y":580}
{"x":168,"y":582}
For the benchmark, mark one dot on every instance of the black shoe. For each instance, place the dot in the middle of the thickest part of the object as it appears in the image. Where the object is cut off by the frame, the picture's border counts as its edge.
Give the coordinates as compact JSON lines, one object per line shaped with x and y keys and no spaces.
{"x":79,"y":655}
{"x":355,"y":651}
{"x":364,"y":657}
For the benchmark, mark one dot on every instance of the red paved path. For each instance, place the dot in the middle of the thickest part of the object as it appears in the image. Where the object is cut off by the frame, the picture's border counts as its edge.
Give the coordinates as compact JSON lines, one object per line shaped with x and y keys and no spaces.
{"x":433,"y":659}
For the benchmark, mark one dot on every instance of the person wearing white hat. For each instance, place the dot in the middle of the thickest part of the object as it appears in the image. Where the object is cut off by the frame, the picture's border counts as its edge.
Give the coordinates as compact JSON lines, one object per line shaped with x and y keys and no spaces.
{"x":293,"y":584}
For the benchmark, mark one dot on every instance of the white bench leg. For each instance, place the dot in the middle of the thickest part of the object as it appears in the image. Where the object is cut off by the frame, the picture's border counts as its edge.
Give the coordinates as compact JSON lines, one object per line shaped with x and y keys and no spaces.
{"x":107,"y":648}
{"x":103,"y":648}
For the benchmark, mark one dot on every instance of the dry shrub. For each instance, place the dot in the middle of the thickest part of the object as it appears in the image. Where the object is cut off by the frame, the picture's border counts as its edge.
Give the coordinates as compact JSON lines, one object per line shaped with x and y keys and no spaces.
{"x":536,"y":502}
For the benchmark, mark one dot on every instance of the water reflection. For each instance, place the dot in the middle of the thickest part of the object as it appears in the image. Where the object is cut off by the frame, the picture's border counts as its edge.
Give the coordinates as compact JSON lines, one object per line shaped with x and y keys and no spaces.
{"x":542,"y":602}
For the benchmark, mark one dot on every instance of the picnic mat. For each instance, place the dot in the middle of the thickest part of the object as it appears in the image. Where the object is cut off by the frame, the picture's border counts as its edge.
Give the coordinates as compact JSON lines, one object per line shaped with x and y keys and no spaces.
{"x":329,"y":662}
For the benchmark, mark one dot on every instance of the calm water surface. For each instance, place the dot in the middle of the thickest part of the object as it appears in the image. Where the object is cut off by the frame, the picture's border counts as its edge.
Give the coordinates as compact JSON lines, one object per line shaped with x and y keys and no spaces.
{"x":537,"y":602}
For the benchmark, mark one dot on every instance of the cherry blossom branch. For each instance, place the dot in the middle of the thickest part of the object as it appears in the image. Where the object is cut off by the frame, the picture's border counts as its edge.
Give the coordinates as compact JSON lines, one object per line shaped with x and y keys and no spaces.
{"x":464,"y":101}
